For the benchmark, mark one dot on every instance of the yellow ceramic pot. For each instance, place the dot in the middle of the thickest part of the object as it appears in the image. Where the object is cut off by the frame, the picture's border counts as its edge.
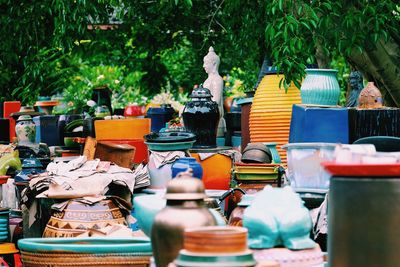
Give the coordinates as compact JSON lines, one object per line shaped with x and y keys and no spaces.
{"x":271,"y":112}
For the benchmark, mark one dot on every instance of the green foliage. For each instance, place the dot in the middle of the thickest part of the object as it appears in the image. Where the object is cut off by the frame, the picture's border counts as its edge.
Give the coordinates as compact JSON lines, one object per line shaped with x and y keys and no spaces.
{"x":295,"y":30}
{"x":339,"y":63}
{"x":49,"y":48}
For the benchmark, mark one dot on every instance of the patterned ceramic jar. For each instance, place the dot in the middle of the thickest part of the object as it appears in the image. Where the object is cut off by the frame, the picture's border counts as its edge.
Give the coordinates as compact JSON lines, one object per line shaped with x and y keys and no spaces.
{"x":320,"y":87}
{"x":25,"y":130}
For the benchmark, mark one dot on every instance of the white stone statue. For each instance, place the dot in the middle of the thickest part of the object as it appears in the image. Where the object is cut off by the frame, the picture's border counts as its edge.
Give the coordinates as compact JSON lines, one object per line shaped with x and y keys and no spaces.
{"x":215,"y":83}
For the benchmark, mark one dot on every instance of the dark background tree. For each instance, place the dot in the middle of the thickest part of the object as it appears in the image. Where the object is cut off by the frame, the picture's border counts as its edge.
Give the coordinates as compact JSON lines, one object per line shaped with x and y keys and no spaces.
{"x":48,"y":41}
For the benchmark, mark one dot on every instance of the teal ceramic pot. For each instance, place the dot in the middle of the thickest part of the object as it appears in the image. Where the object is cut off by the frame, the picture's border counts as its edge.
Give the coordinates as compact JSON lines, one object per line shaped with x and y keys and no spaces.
{"x":189,"y":259}
{"x":146,"y":207}
{"x":320,"y":87}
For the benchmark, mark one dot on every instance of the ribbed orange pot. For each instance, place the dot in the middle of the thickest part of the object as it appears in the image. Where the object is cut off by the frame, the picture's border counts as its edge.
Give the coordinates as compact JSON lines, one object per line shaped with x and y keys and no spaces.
{"x":271,"y":112}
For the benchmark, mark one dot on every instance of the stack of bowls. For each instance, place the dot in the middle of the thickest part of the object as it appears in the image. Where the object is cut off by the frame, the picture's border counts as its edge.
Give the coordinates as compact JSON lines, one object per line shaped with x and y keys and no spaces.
{"x":271,"y":112}
{"x":4,"y":224}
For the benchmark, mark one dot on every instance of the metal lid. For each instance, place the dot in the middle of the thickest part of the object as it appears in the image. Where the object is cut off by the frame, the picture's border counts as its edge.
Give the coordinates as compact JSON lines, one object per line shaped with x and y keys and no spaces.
{"x":185,"y":187}
{"x":201,"y":92}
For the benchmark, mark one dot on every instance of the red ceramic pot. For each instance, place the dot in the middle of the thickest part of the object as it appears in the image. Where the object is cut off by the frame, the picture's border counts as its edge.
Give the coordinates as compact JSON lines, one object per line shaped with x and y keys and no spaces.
{"x":134,"y":111}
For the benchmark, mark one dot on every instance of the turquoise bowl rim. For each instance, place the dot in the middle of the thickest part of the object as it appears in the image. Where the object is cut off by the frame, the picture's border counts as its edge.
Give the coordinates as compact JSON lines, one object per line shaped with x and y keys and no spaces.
{"x":322,"y":70}
{"x":170,"y":146}
{"x":139,"y":245}
{"x":186,"y":258}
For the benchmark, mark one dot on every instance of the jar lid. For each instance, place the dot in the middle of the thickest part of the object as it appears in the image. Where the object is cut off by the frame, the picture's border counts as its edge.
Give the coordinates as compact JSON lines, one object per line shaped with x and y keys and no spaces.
{"x":24,"y":118}
{"x":169,"y":137}
{"x":185,"y":187}
{"x":201,"y":92}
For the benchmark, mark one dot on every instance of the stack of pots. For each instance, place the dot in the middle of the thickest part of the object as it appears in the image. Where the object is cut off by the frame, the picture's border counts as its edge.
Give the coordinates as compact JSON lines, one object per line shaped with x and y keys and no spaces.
{"x":215,"y":246}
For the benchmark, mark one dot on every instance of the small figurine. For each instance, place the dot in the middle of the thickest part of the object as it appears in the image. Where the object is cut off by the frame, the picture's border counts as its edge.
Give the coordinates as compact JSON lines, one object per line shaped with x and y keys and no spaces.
{"x":370,"y":97}
{"x":215,"y":84}
{"x":356,"y":85}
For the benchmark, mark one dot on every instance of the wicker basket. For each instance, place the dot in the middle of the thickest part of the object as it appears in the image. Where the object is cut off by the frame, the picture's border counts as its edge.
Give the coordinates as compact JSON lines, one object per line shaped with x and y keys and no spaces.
{"x":85,"y":252}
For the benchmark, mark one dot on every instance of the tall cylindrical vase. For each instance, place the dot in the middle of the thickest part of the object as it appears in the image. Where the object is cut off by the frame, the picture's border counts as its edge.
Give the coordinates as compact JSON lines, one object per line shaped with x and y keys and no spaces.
{"x":320,"y":87}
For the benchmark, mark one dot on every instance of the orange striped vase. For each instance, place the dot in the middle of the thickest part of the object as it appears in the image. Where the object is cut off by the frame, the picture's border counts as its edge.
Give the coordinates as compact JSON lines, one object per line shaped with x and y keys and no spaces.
{"x":271,"y":112}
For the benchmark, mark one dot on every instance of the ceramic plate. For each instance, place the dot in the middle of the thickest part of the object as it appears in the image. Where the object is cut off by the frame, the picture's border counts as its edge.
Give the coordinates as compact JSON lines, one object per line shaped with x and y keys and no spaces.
{"x":366,"y":170}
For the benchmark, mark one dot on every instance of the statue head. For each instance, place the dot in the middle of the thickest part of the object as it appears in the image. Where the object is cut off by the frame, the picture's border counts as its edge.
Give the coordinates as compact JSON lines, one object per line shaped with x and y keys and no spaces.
{"x":356,"y":80}
{"x":211,"y":61}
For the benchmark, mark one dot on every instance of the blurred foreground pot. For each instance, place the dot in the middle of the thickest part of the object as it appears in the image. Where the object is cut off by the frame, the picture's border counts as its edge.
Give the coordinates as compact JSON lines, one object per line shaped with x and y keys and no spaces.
{"x":185,"y":209}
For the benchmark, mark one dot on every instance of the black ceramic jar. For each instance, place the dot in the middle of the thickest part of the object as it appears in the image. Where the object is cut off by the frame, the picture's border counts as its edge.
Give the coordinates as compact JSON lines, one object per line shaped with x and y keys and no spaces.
{"x":201,"y":117}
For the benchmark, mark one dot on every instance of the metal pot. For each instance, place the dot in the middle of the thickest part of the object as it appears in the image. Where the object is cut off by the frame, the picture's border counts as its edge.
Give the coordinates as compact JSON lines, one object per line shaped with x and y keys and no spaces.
{"x":256,"y":153}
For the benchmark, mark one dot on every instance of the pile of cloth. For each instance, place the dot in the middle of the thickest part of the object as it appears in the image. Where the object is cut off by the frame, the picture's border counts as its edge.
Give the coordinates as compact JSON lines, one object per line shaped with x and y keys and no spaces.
{"x":78,"y":178}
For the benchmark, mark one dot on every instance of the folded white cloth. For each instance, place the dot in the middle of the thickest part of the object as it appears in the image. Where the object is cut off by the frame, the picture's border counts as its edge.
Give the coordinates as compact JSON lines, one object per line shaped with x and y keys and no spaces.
{"x":162,"y":158}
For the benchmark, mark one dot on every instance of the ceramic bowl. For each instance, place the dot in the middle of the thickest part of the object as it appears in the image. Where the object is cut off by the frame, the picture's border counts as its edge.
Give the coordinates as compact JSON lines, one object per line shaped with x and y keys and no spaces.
{"x":70,"y":142}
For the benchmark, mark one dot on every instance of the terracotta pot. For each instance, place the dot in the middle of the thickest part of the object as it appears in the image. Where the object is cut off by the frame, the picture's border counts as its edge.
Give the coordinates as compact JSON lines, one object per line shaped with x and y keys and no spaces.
{"x":215,"y":239}
{"x":228,"y":103}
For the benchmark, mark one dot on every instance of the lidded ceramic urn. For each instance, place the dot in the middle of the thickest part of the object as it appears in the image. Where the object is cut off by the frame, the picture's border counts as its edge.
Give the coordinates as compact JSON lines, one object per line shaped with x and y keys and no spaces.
{"x":201,"y":117}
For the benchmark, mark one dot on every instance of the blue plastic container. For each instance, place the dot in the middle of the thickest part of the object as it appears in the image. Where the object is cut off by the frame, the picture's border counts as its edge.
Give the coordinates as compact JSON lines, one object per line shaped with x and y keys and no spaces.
{"x":182,"y":164}
{"x":160,"y":116}
{"x":47,"y":130}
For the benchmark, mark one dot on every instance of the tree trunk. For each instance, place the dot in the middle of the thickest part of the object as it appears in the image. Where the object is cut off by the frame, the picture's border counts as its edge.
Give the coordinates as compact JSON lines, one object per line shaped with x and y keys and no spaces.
{"x":380,"y":62}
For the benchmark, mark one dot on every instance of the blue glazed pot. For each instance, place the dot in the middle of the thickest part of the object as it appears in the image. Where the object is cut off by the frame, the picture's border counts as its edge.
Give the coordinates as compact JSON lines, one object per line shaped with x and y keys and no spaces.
{"x":320,"y":87}
{"x":183,"y":164}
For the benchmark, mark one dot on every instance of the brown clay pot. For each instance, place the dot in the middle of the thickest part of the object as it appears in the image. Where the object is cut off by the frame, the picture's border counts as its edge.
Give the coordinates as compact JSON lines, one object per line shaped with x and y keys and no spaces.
{"x":215,"y":239}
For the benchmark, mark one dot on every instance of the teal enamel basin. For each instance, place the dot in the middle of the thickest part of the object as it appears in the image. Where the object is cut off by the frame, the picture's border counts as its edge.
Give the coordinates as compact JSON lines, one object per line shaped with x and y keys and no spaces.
{"x":147,"y":206}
